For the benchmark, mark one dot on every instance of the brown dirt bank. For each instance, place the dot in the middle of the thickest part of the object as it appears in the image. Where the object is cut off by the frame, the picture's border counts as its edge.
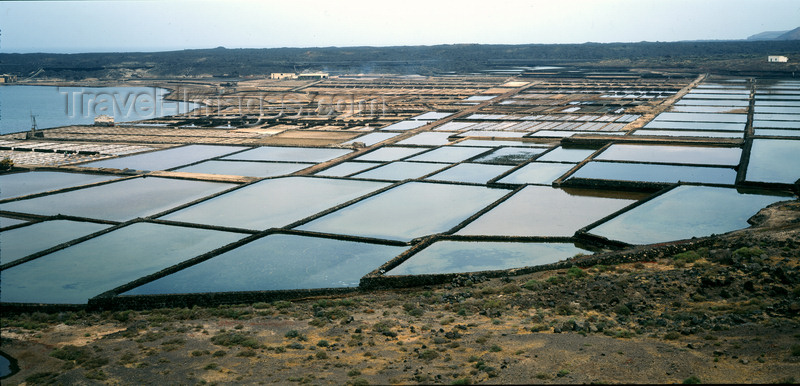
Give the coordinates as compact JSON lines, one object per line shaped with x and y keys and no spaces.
{"x":727,"y":313}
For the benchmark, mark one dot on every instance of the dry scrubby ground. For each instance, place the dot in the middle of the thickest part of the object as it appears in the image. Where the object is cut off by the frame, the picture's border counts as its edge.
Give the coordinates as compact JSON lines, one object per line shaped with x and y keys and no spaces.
{"x":728,"y":313}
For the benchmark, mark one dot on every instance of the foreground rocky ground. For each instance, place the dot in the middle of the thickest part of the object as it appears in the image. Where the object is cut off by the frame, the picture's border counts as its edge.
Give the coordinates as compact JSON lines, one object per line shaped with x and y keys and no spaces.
{"x":726,"y":313}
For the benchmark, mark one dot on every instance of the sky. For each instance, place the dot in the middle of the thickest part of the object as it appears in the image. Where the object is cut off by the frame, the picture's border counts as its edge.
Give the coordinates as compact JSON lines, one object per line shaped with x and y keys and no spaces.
{"x":121,"y":26}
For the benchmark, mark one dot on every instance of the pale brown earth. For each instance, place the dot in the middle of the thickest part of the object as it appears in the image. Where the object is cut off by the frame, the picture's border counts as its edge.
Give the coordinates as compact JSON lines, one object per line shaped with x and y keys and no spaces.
{"x":729,"y":313}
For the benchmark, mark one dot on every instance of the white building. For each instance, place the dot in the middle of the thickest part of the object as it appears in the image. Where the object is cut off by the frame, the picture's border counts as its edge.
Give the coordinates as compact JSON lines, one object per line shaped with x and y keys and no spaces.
{"x":283,"y":75}
{"x":777,"y":59}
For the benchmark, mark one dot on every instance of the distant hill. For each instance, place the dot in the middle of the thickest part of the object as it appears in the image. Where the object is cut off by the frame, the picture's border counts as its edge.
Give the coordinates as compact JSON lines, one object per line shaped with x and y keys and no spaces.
{"x":423,"y":60}
{"x":766,"y":35}
{"x":777,"y":35}
{"x":790,"y":35}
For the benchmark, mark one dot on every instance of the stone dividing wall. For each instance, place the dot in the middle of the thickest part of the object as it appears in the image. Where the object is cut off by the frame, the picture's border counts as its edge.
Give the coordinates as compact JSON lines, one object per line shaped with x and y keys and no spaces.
{"x":140,"y":302}
{"x":645,"y":253}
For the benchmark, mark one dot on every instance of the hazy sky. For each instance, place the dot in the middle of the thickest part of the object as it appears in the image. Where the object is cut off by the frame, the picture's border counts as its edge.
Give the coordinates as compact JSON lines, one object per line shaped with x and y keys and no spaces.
{"x":93,"y":26}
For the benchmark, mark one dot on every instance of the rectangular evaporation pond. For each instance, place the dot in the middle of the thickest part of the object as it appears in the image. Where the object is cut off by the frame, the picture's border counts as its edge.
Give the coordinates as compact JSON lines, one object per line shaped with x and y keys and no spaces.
{"x":668,"y":174}
{"x":701,"y":117}
{"x":406,"y":125}
{"x":480,"y":98}
{"x":275,"y":202}
{"x":561,"y":154}
{"x":489,"y":133}
{"x":777,"y":124}
{"x":386,"y":154}
{"x":498,"y":143}
{"x":685,"y":212}
{"x":510,"y":155}
{"x":400,"y":170}
{"x":454,"y":126}
{"x":245,"y":168}
{"x":450,"y":154}
{"x":23,"y":184}
{"x":475,"y":173}
{"x":166,"y":159}
{"x":427,"y":139}
{"x":120,"y":201}
{"x":543,"y":211}
{"x":713,"y":102}
{"x":713,"y":126}
{"x":408,"y":211}
{"x":469,"y":256}
{"x":759,"y":109}
{"x":432,"y":116}
{"x":761,"y":96}
{"x":776,"y":133}
{"x":774,"y":103}
{"x":289,"y":154}
{"x":565,"y":133}
{"x":8,"y":221}
{"x":372,"y":138}
{"x":82,"y":271}
{"x":347,"y":168}
{"x":20,"y":242}
{"x":690,"y":133}
{"x":691,"y":95}
{"x":277,"y":262}
{"x":708,"y":109}
{"x":740,"y":91}
{"x":774,"y":161}
{"x":543,"y":173}
{"x":726,"y":156}
{"x":776,"y":117}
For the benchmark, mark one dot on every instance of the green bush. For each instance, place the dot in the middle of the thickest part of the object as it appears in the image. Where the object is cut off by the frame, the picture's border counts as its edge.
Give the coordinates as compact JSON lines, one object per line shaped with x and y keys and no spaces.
{"x":693,"y":380}
{"x":533,"y":285}
{"x":428,"y":355}
{"x":229,"y":339}
{"x":576,"y":273}
{"x":748,"y":252}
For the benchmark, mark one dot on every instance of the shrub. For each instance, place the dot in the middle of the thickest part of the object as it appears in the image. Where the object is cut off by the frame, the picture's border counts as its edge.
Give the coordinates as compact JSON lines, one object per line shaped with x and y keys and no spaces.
{"x":428,"y":355}
{"x":533,"y":285}
{"x":576,"y":273}
{"x":6,"y":164}
{"x":234,"y":339}
{"x":748,"y":252}
{"x":96,"y":374}
{"x":672,"y":335}
{"x":495,"y":348}
{"x":622,"y":309}
{"x":693,"y":380}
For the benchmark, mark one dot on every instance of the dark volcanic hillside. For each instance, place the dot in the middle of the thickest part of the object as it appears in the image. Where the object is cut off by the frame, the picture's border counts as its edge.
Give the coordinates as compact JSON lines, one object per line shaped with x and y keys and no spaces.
{"x":705,"y":56}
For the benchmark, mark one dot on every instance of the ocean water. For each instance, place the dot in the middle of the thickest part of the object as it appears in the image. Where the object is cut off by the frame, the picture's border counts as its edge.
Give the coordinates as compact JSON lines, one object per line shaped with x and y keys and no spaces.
{"x":56,"y":106}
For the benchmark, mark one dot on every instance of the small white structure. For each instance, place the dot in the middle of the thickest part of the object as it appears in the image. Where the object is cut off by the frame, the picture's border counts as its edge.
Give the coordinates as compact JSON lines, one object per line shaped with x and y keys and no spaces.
{"x":283,"y":75}
{"x":777,"y":59}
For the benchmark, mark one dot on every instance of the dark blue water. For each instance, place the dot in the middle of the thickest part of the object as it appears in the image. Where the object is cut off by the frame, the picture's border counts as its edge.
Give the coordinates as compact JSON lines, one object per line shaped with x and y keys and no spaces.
{"x":61,"y":106}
